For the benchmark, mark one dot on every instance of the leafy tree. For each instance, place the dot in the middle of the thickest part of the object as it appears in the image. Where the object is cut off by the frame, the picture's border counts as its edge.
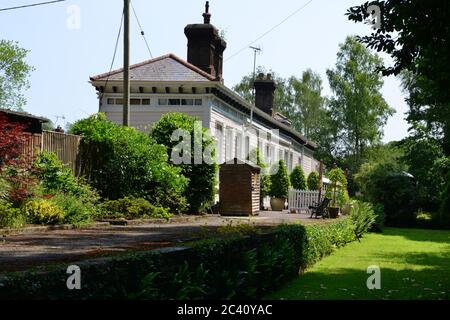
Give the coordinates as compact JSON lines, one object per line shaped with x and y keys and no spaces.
{"x":428,"y":164}
{"x":313,"y":181}
{"x":415,"y":34}
{"x":121,"y":161}
{"x":279,"y":182}
{"x":297,"y":178}
{"x":14,"y":73}
{"x":307,"y":103}
{"x":202,"y":177}
{"x":358,"y":109}
{"x":444,"y":213}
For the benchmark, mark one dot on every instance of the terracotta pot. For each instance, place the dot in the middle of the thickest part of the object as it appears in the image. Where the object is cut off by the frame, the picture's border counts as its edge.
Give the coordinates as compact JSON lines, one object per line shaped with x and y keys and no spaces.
{"x":334,"y":212}
{"x":277,"y":204}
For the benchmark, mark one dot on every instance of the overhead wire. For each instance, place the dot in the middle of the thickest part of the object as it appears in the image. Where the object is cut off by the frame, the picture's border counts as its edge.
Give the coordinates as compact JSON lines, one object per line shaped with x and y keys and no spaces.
{"x":31,"y":5}
{"x":270,"y":30}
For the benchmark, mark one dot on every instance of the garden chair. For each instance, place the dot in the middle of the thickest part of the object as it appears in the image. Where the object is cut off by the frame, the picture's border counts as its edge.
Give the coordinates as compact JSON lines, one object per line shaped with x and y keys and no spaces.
{"x":320,"y":209}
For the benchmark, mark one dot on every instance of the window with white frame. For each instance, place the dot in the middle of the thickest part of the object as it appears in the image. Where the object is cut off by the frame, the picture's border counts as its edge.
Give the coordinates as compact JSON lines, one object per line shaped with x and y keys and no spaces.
{"x":238,"y":145}
{"x":229,"y":144}
{"x":219,"y":139}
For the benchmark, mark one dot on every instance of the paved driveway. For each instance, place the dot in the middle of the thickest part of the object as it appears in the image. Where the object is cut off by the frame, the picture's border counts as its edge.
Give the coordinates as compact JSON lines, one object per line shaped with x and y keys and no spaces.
{"x":19,"y":252}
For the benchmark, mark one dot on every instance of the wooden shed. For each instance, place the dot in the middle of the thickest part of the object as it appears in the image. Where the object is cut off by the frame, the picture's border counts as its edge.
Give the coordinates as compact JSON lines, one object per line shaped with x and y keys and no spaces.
{"x":239,"y":190}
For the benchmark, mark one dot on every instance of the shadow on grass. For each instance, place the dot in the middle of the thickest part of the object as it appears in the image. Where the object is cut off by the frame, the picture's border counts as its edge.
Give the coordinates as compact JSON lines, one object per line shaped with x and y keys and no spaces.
{"x":440,"y":236}
{"x":350,"y":284}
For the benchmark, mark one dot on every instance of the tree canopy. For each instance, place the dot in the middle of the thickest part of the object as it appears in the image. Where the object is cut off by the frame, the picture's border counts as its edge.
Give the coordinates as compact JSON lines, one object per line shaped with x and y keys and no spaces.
{"x":415,"y":34}
{"x":358,"y":109}
{"x":14,"y":73}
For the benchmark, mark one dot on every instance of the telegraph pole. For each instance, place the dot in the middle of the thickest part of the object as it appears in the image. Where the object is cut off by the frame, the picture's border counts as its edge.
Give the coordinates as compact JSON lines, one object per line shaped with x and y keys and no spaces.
{"x":256,"y":51}
{"x":126,"y":64}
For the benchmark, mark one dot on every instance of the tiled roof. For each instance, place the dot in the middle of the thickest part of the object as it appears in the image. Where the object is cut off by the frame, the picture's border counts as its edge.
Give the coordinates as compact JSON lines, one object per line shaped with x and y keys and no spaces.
{"x":165,"y":68}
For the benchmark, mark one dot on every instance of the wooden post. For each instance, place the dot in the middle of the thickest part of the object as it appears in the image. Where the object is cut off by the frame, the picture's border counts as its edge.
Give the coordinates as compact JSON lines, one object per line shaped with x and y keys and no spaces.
{"x":320,"y":179}
{"x":126,"y":64}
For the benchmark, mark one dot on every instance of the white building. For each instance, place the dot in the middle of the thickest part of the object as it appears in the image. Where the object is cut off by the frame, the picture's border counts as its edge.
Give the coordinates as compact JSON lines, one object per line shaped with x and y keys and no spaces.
{"x":195,"y":87}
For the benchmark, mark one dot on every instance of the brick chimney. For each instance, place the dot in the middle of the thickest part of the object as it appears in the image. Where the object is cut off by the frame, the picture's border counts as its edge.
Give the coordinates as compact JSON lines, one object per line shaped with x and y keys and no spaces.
{"x":205,"y":46}
{"x":264,"y":92}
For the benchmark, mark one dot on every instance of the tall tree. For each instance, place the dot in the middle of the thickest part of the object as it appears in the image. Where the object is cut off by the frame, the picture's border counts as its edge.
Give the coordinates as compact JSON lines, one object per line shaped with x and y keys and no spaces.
{"x":307,"y":104}
{"x":14,"y":73}
{"x":416,"y":35}
{"x":358,"y":109}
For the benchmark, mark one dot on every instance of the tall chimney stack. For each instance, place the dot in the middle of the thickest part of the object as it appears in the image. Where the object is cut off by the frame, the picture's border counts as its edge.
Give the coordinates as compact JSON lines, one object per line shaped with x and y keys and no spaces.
{"x":205,"y":46}
{"x":264,"y":93}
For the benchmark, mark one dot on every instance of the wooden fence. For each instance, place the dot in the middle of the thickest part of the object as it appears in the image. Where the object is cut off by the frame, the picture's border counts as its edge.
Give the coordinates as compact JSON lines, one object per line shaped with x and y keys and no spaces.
{"x":66,"y":146}
{"x":302,"y":199}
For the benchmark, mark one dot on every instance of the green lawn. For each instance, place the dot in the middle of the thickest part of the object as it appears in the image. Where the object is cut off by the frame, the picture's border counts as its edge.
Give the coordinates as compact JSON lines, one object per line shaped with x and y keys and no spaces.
{"x":415,"y":264}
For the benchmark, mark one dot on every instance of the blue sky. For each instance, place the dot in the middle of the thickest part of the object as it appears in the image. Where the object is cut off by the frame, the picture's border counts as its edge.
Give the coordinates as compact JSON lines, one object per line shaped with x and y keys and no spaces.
{"x":65,"y":58}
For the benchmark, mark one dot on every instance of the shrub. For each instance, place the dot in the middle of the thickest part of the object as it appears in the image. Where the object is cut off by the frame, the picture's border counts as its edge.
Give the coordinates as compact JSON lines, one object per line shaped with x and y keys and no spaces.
{"x":133,"y":208}
{"x":231,"y":267}
{"x":363,"y":218}
{"x":297,"y":178}
{"x":121,"y":161}
{"x":201,"y":176}
{"x":428,"y":164}
{"x":279,"y":182}
{"x":322,"y":240}
{"x":338,"y":184}
{"x":77,"y":211}
{"x":10,"y":217}
{"x":380,"y":217}
{"x":444,"y":212}
{"x":313,"y":181}
{"x":41,"y":211}
{"x":11,"y":140}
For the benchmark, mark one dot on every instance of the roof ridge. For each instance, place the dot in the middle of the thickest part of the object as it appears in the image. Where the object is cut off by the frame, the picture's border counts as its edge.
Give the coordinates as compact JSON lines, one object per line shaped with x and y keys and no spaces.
{"x":146,"y":62}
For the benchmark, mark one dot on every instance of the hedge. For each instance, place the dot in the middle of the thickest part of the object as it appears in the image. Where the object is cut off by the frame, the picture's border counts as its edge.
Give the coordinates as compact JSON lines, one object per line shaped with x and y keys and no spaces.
{"x":231,"y":267}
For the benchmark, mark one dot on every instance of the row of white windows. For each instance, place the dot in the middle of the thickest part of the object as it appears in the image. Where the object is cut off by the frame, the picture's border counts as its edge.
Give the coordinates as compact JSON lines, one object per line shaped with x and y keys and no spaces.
{"x":268,"y":152}
{"x":161,"y":102}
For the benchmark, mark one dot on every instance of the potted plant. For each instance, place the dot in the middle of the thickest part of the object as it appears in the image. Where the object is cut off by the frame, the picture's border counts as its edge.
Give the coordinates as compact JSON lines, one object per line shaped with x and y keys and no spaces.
{"x":338,"y":185}
{"x":344,"y":202}
{"x":279,"y":187}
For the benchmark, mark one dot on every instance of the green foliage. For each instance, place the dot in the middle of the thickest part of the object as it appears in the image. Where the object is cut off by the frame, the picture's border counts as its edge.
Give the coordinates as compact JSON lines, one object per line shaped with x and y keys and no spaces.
{"x":338,"y":184}
{"x":55,"y":177}
{"x":10,"y":217}
{"x":14,"y":73}
{"x":133,"y":208}
{"x":380,"y":217}
{"x":323,"y":240}
{"x":279,"y":182}
{"x":444,"y":212}
{"x":363,"y":218}
{"x":230,"y":267}
{"x":77,"y":211}
{"x":313,"y":181}
{"x":256,"y":157}
{"x":297,"y":178}
{"x":201,"y":177}
{"x":358,"y":108}
{"x":121,"y":161}
{"x":404,"y":34}
{"x":426,"y":161}
{"x":42,"y":211}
